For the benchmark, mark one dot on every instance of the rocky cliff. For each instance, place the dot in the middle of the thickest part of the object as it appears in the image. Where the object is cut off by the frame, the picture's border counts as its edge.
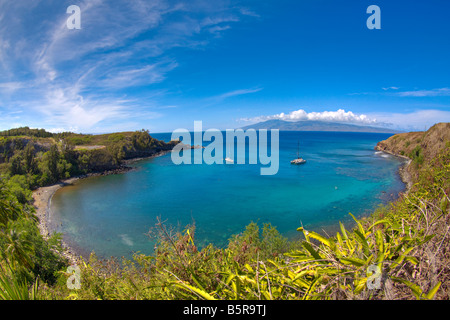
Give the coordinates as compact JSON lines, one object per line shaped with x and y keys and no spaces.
{"x":419,"y":147}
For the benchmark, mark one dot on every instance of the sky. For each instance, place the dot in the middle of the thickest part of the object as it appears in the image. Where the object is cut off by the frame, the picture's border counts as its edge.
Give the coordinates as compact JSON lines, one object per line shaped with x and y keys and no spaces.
{"x":161,"y":65}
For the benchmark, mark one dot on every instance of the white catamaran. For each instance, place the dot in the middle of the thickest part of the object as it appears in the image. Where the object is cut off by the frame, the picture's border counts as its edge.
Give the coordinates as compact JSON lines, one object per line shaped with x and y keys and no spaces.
{"x":298,"y":160}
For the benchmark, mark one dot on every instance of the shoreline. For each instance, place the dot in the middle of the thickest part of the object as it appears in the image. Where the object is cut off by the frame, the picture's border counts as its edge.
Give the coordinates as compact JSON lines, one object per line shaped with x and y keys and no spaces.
{"x":406,"y":176}
{"x":403,"y":172}
{"x":42,"y":198}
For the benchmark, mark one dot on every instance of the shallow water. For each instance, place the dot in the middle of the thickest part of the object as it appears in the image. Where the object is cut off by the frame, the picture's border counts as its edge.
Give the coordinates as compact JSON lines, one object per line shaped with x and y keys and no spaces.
{"x":112,"y":214}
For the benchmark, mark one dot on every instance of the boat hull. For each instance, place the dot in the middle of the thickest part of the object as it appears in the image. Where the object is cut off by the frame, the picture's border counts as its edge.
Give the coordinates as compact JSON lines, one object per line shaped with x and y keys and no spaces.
{"x":298,"y":161}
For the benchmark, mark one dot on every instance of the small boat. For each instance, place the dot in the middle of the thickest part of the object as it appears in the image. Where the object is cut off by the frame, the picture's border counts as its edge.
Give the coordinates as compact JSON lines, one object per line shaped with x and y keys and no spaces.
{"x":227,"y":159}
{"x":298,"y":160}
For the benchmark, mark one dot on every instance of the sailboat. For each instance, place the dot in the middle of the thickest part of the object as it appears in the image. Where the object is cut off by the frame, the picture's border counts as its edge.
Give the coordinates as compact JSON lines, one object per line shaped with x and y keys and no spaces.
{"x":228,"y":159}
{"x":298,"y":160}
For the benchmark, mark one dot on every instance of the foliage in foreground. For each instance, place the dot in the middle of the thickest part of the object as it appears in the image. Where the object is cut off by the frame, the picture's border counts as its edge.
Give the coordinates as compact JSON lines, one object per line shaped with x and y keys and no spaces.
{"x":26,"y":258}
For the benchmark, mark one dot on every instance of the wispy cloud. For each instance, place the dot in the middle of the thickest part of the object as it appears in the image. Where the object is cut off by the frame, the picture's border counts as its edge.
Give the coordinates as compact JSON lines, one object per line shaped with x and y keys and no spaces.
{"x":78,"y":78}
{"x":248,"y":12}
{"x":425,"y":93}
{"x":239,"y":92}
{"x":11,"y":86}
{"x":124,"y":77}
{"x":395,"y":91}
{"x":390,"y":88}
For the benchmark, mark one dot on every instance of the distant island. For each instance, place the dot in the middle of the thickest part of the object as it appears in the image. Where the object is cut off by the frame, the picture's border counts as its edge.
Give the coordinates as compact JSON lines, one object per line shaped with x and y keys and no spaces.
{"x":316,"y":126}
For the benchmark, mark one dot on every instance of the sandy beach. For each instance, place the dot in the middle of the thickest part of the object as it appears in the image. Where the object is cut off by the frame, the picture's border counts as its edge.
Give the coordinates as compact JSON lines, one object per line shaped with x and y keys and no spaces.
{"x":42,"y":199}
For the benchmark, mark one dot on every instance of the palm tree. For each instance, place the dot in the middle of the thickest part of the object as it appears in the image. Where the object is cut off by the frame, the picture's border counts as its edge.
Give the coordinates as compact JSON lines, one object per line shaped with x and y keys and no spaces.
{"x":18,"y":249}
{"x":8,"y":211}
{"x":11,"y":288}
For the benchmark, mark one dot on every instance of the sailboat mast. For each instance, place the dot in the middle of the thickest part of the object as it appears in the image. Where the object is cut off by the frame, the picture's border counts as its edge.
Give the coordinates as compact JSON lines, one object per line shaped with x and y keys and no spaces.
{"x":298,"y":149}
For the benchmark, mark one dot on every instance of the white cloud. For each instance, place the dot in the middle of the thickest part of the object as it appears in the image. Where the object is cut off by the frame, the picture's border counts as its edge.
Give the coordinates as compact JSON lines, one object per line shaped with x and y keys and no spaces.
{"x":390,"y":88}
{"x":59,"y":130}
{"x":412,"y":121}
{"x":67,"y":108}
{"x":331,"y":116}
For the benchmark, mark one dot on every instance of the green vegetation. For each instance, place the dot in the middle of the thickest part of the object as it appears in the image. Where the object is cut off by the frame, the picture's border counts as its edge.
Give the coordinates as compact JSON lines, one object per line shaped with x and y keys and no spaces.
{"x":399,"y":252}
{"x":25,"y":256}
{"x":26,"y":131}
{"x":417,"y":155}
{"x":41,"y":158}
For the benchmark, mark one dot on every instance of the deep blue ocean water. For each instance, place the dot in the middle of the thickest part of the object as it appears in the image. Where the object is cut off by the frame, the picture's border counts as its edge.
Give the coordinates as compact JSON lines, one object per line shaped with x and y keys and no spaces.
{"x":111,"y":215}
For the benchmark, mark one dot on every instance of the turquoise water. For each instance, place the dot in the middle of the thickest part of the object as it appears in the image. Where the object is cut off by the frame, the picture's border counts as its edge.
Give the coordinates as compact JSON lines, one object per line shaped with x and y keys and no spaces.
{"x":112,"y":214}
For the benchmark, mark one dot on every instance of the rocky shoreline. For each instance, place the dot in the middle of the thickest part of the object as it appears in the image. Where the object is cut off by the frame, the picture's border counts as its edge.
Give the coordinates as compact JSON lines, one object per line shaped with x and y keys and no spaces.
{"x":42,"y":201}
{"x":405,"y":175}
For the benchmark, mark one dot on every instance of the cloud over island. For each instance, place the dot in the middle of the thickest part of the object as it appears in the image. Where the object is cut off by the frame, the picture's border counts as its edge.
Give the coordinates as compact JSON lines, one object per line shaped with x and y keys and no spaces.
{"x":332,"y":116}
{"x":413,"y":121}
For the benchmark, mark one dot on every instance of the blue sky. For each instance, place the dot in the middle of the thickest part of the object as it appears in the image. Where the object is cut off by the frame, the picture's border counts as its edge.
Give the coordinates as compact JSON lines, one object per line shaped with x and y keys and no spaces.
{"x":161,"y":65}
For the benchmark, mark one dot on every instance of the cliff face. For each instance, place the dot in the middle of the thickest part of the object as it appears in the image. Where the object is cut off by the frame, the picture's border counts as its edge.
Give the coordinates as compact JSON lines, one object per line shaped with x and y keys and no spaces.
{"x":419,"y":147}
{"x":431,"y":142}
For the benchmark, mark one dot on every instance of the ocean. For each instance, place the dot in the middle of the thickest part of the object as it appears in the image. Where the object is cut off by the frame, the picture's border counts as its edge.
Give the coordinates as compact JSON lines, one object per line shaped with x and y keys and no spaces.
{"x":111,"y":215}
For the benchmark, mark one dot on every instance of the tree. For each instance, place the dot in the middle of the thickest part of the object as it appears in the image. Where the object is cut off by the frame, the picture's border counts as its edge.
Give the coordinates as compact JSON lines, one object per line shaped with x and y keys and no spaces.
{"x":52,"y":162}
{"x":30,"y":161}
{"x":117,"y":151}
{"x":141,"y":139}
{"x":15,"y":164}
{"x":18,"y":249}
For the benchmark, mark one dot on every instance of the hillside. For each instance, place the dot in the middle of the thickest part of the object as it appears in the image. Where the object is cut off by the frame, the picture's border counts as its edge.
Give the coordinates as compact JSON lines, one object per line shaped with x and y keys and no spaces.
{"x":420,"y":147}
{"x":39,"y":158}
{"x":431,"y":141}
{"x":316,"y":126}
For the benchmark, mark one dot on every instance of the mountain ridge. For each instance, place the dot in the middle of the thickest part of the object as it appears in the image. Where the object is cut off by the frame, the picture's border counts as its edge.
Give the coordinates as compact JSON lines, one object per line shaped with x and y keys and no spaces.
{"x":309,"y":125}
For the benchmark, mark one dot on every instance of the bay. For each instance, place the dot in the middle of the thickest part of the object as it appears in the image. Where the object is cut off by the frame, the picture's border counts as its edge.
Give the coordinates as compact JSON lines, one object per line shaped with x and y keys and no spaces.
{"x":111,"y":215}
